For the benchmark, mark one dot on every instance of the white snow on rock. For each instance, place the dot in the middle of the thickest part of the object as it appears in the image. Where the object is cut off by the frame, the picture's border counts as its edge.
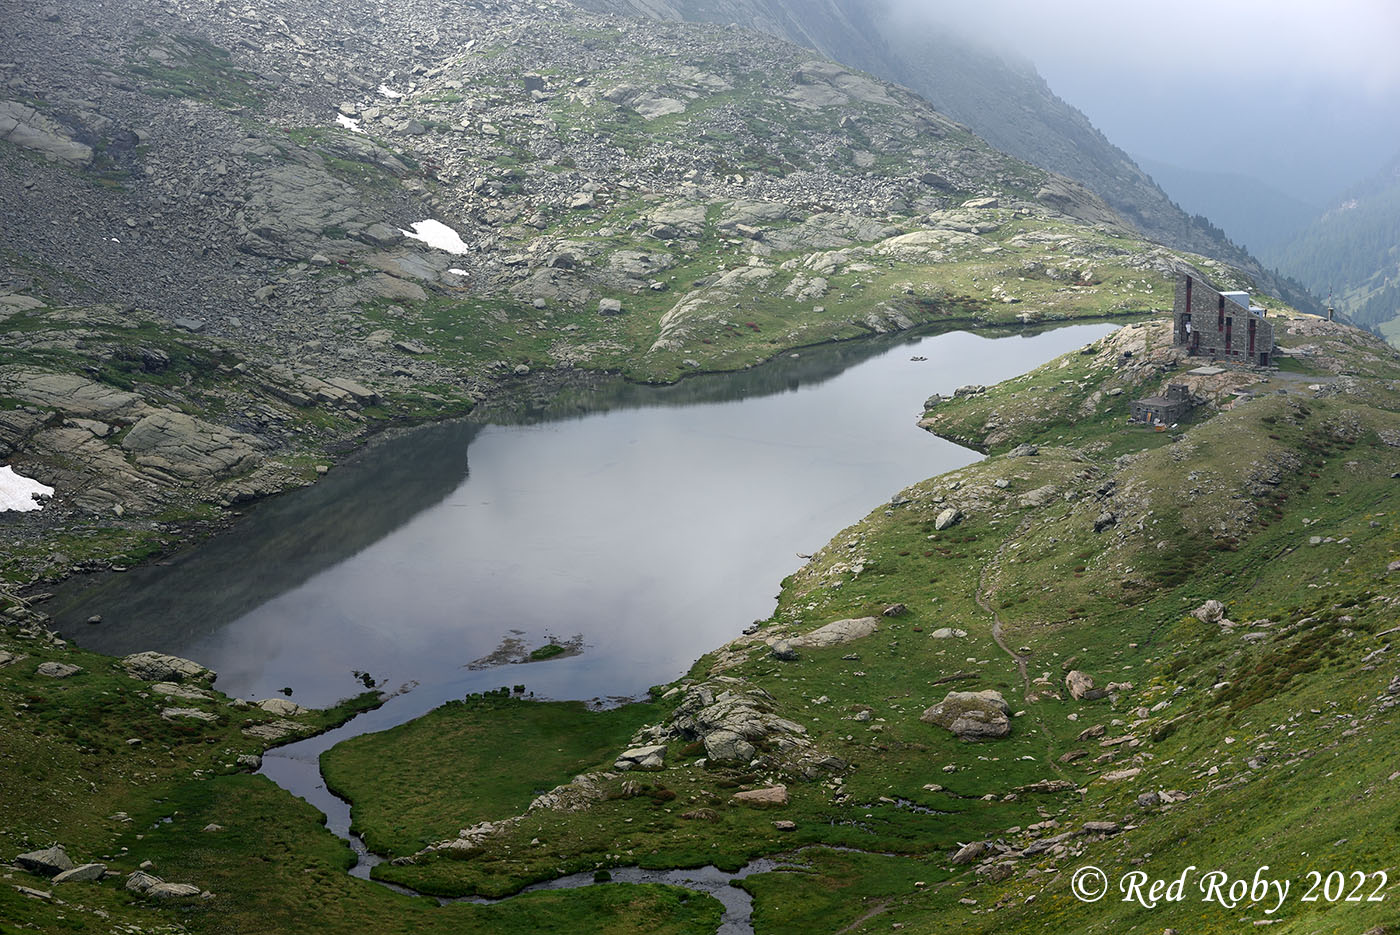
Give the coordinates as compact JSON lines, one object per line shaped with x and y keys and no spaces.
{"x":18,"y":492}
{"x":436,"y":234}
{"x":349,"y":123}
{"x":389,"y":92}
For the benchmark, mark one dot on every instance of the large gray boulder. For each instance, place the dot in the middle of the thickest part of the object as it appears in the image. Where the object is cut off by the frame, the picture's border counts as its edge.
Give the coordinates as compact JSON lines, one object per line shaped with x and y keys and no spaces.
{"x":86,"y":873}
{"x":973,"y":716}
{"x":159,"y":667}
{"x":48,"y":862}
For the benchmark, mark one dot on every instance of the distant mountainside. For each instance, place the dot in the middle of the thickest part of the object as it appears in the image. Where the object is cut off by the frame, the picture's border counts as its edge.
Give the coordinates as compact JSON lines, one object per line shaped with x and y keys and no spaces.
{"x":1251,"y":212}
{"x":1003,"y":100}
{"x":1353,"y":250}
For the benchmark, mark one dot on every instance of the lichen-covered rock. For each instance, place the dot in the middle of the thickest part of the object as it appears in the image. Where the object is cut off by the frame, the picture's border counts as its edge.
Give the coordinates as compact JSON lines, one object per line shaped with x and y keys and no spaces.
{"x":159,"y":667}
{"x":973,"y":716}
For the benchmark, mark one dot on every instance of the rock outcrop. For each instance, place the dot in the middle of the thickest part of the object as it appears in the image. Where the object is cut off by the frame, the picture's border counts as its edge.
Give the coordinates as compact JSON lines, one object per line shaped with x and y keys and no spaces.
{"x":160,"y":667}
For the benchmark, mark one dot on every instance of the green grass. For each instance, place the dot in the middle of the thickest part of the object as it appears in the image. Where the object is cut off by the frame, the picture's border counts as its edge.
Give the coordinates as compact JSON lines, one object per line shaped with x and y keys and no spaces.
{"x":469,"y":761}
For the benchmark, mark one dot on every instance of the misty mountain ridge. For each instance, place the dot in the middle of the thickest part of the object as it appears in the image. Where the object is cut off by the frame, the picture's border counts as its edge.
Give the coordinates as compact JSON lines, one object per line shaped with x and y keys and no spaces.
{"x":1252,"y":212}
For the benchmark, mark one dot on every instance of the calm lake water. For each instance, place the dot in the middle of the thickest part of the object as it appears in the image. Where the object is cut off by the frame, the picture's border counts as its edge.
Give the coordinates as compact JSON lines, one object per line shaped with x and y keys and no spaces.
{"x":653,"y":522}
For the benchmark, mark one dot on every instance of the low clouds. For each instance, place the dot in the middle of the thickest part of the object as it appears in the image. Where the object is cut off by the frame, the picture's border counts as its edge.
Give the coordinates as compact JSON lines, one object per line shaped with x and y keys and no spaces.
{"x":1347,"y":42}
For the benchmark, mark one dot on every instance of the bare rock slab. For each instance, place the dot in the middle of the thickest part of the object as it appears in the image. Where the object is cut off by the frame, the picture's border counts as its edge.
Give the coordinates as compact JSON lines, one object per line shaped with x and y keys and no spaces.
{"x":772,"y":797}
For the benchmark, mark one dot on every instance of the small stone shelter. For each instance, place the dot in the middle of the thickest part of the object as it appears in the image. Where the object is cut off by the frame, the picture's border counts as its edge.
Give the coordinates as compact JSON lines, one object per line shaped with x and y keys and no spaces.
{"x":1168,"y":409}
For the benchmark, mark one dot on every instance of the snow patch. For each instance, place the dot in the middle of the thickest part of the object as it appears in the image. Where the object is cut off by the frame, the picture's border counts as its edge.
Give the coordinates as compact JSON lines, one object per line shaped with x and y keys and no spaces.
{"x":18,"y":493}
{"x":389,"y":92}
{"x":436,"y":234}
{"x":349,"y":123}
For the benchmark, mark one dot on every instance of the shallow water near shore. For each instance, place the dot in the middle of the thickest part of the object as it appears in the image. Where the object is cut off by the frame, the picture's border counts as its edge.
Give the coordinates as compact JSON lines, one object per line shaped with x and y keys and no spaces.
{"x":654,"y":522}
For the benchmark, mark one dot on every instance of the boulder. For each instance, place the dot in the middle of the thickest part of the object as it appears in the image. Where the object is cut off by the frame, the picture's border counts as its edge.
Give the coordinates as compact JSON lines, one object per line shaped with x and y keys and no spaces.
{"x":1039,"y":496}
{"x":1102,"y":827}
{"x":783,"y":650}
{"x":947,"y":633}
{"x":281,"y":707}
{"x":140,"y":881}
{"x":772,"y":797}
{"x":58,"y":670}
{"x":947,"y":518}
{"x":970,"y":853}
{"x":159,"y":667}
{"x":173,"y":891}
{"x":649,"y":757}
{"x":838,"y":632}
{"x":86,"y":873}
{"x":1104,"y":520}
{"x":1023,"y":451}
{"x":609,"y":307}
{"x":1119,"y":775}
{"x":972,"y":716}
{"x":1081,"y":686}
{"x":48,"y":862}
{"x":1212,"y":611}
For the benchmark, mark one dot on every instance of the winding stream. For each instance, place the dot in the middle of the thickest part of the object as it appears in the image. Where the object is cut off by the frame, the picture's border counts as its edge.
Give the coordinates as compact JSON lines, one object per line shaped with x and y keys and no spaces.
{"x":652,"y":522}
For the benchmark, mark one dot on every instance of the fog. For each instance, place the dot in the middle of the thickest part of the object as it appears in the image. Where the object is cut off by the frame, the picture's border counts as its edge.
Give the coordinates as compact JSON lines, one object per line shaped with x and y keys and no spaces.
{"x":1302,"y":96}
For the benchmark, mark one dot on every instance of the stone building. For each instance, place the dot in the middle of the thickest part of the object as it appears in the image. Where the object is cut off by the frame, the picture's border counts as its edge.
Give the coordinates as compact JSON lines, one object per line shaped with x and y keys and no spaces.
{"x":1168,"y":409}
{"x":1222,"y":325}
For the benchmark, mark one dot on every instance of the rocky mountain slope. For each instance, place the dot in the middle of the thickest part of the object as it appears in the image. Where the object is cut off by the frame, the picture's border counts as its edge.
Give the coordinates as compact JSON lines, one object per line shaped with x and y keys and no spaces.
{"x":215,"y":269}
{"x":1001,"y":98}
